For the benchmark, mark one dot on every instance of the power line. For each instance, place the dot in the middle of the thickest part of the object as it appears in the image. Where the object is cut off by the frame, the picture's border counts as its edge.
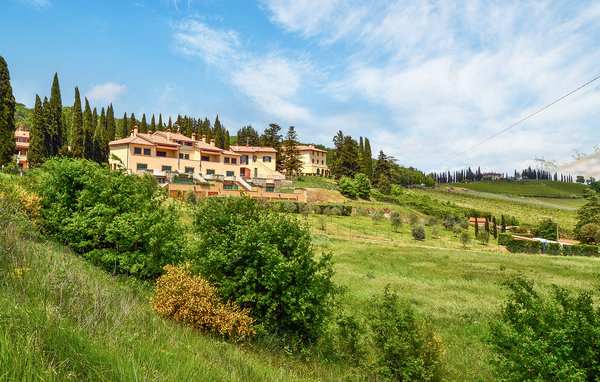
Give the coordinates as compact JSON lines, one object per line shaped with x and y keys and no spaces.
{"x":520,"y":121}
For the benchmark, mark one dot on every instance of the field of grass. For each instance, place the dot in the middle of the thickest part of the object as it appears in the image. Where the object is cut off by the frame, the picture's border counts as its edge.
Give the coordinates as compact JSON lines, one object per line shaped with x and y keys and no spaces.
{"x":527,"y":212}
{"x":314,"y":182}
{"x":543,"y":188}
{"x":459,"y":291}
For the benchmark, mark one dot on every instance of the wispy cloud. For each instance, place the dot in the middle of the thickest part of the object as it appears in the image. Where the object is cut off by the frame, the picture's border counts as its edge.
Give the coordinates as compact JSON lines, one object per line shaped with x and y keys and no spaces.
{"x":37,"y":3}
{"x":106,"y":92}
{"x":196,"y":39}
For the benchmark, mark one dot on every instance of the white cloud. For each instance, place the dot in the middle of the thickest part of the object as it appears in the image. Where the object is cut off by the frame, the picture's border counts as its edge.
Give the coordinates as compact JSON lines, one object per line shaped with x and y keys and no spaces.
{"x":194,"y":38}
{"x":105,"y":93}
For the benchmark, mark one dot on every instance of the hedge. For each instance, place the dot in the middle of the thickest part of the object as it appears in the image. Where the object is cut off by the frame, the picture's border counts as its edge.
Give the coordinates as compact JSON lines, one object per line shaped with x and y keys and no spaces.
{"x":581,"y":250}
{"x":524,"y":246}
{"x":504,"y":238}
{"x":527,"y":246}
{"x":552,"y":249}
{"x":323,"y":209}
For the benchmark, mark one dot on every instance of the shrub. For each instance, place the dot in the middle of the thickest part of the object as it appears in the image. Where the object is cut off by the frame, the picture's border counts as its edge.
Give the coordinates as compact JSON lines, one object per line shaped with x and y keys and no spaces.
{"x":347,"y":187}
{"x":465,"y":238}
{"x":580,"y":250}
{"x":464,"y":224}
{"x":524,"y":246}
{"x":115,"y":220}
{"x":321,"y":209}
{"x":413,"y":219}
{"x":589,"y":233}
{"x":448,"y":223}
{"x":362,"y":185}
{"x":407,"y":348}
{"x":435,"y":230}
{"x":397,"y":190}
{"x":305,"y":210}
{"x":546,"y":229}
{"x":504,"y":238}
{"x":552,"y":249}
{"x":195,"y":302}
{"x":552,"y":339}
{"x":418,"y":232}
{"x":484,"y":237}
{"x":457,"y":230}
{"x":348,"y":333}
{"x":395,"y":219}
{"x":191,"y":198}
{"x":359,"y":211}
{"x":264,"y":261}
{"x":377,"y":216}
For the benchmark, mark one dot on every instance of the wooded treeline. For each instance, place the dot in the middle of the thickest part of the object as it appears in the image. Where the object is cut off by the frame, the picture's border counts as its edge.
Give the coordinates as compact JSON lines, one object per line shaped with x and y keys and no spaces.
{"x":475,"y":176}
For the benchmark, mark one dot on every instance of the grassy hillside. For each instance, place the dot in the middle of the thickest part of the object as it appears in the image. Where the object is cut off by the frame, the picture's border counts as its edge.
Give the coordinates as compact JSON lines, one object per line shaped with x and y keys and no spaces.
{"x":543,"y":188}
{"x":459,"y":291}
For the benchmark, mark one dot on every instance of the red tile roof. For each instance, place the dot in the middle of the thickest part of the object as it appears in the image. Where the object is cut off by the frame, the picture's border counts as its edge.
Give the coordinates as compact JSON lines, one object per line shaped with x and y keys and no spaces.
{"x":252,"y":149}
{"x":309,"y":148}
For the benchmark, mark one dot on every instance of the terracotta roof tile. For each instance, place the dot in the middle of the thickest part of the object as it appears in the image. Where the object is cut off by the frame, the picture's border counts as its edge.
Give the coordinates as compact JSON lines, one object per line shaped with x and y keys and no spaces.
{"x":252,"y":149}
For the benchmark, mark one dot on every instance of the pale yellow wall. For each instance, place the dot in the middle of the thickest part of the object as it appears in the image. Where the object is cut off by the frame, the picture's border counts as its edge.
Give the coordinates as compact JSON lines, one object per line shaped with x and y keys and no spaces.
{"x":320,"y":162}
{"x":259,"y":168}
{"x":119,"y":151}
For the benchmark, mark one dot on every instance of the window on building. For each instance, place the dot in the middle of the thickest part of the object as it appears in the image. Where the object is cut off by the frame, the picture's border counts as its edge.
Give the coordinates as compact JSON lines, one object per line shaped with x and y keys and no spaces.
{"x":270,"y":189}
{"x":166,"y":168}
{"x":230,"y":173}
{"x":161,"y":180}
{"x":313,"y":160}
{"x":244,"y":159}
{"x":186,"y":156}
{"x":210,"y":172}
{"x":161,"y":153}
{"x":254,"y":158}
{"x":266,"y":159}
{"x":137,"y":150}
{"x":189,"y":170}
{"x":205,"y":158}
{"x":142,"y":166}
{"x":233,"y":160}
{"x":180,"y":156}
{"x":147,"y":152}
{"x":226,"y":159}
{"x":230,"y":186}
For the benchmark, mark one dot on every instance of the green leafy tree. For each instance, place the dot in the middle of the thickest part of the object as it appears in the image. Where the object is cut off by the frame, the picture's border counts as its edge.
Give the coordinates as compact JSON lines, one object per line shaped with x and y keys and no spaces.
{"x":347,"y":187}
{"x":291,"y":155}
{"x":547,"y":229}
{"x":395,"y":220}
{"x":264,"y":261}
{"x":272,"y":138}
{"x":418,"y":232}
{"x":589,"y":233}
{"x":37,"y":149}
{"x":588,"y":213}
{"x":542,"y":338}
{"x":465,"y":238}
{"x":363,"y":185}
{"x":89,"y":127}
{"x":77,"y":132}
{"x":7,"y":115}
{"x":377,"y":216}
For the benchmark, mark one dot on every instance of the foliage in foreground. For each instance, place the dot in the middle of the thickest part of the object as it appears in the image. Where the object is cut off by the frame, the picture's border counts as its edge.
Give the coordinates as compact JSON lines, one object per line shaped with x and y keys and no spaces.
{"x":264,"y":261}
{"x":115,"y":220}
{"x":539,"y":338}
{"x":194,"y":301}
{"x":408,"y":349}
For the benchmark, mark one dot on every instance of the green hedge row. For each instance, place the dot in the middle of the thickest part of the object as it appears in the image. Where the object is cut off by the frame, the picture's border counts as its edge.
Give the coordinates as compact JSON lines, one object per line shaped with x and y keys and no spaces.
{"x":294,"y":207}
{"x":339,"y":209}
{"x":527,"y":246}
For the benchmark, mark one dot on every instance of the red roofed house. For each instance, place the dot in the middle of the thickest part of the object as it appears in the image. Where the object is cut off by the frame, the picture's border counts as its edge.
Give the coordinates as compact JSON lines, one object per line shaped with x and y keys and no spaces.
{"x":22,"y":147}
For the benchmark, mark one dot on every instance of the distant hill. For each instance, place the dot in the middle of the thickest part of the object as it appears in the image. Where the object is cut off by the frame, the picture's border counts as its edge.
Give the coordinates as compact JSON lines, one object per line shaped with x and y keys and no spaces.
{"x":542,"y":188}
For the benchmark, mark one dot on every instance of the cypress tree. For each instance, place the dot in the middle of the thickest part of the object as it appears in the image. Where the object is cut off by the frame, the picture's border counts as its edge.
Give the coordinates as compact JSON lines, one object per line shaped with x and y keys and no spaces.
{"x":111,"y":125}
{"x":101,"y":140}
{"x":77,"y":133}
{"x":7,"y":116}
{"x":153,"y":124}
{"x":502,"y":224}
{"x":124,"y":128}
{"x":132,"y":122}
{"x":476,"y":227}
{"x":367,"y":165}
{"x":55,"y":122}
{"x":291,"y":155}
{"x":37,"y":148}
{"x":495,"y":228}
{"x":218,"y":133}
{"x":89,"y":127}
{"x":361,"y":151}
{"x":487,"y":225}
{"x":227,"y":140}
{"x":143,"y":125}
{"x":160,"y":123}
{"x":170,"y":126}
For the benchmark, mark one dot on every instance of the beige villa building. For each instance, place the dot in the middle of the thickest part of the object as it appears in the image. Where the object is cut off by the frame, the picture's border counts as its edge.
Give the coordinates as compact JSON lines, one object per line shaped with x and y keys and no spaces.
{"x":314,"y":161}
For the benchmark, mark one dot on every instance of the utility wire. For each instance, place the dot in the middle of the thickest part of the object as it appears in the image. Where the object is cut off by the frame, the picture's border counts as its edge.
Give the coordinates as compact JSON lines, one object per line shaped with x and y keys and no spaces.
{"x":520,"y":121}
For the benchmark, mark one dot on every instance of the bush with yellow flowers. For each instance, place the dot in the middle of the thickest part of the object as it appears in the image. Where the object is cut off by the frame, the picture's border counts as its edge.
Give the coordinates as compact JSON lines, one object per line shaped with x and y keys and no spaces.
{"x":192,"y":300}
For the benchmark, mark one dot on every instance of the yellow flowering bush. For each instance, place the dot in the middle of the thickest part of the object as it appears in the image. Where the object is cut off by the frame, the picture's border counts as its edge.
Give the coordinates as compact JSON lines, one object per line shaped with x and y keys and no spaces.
{"x":29,"y":202}
{"x":194,"y":301}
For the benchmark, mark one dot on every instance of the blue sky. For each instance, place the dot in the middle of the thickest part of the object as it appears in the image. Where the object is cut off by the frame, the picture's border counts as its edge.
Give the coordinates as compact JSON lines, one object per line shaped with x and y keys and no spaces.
{"x":424,"y":80}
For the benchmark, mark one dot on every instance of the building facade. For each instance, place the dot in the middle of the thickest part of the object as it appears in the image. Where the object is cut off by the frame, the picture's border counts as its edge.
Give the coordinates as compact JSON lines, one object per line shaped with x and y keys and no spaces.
{"x":314,"y":161}
{"x":21,"y":147}
{"x":257,"y":162}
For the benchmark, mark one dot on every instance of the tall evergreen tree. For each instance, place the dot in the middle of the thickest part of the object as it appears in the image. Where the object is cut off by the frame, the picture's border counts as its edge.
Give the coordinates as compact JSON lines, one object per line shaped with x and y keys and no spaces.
{"x":132,"y":122}
{"x":101,"y":140}
{"x":7,"y":116}
{"x":218,"y":133}
{"x":37,"y":153}
{"x":271,"y":138}
{"x":347,"y":159}
{"x":54,"y":125}
{"x":143,"y":124}
{"x":291,"y":155}
{"x":77,"y":133}
{"x":382,"y":175}
{"x":153,"y":124}
{"x":248,"y":135}
{"x":160,"y":123}
{"x":170,"y":125}
{"x":89,"y":127}
{"x":367,"y":159}
{"x":111,"y":125}
{"x":124,"y":127}
{"x":227,"y":140}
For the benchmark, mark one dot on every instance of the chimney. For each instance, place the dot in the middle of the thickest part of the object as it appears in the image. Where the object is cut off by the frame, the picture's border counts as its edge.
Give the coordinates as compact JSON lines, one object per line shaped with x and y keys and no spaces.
{"x":204,"y":138}
{"x":212,"y":142}
{"x":135,"y":131}
{"x":131,"y":132}
{"x":312,"y":145}
{"x":169,"y":134}
{"x":193,"y":136}
{"x":149,"y":132}
{"x":20,"y":127}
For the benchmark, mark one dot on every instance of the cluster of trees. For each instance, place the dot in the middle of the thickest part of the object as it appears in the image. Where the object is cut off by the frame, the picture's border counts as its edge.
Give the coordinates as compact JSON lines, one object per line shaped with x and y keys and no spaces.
{"x":473,"y":176}
{"x":7,"y":112}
